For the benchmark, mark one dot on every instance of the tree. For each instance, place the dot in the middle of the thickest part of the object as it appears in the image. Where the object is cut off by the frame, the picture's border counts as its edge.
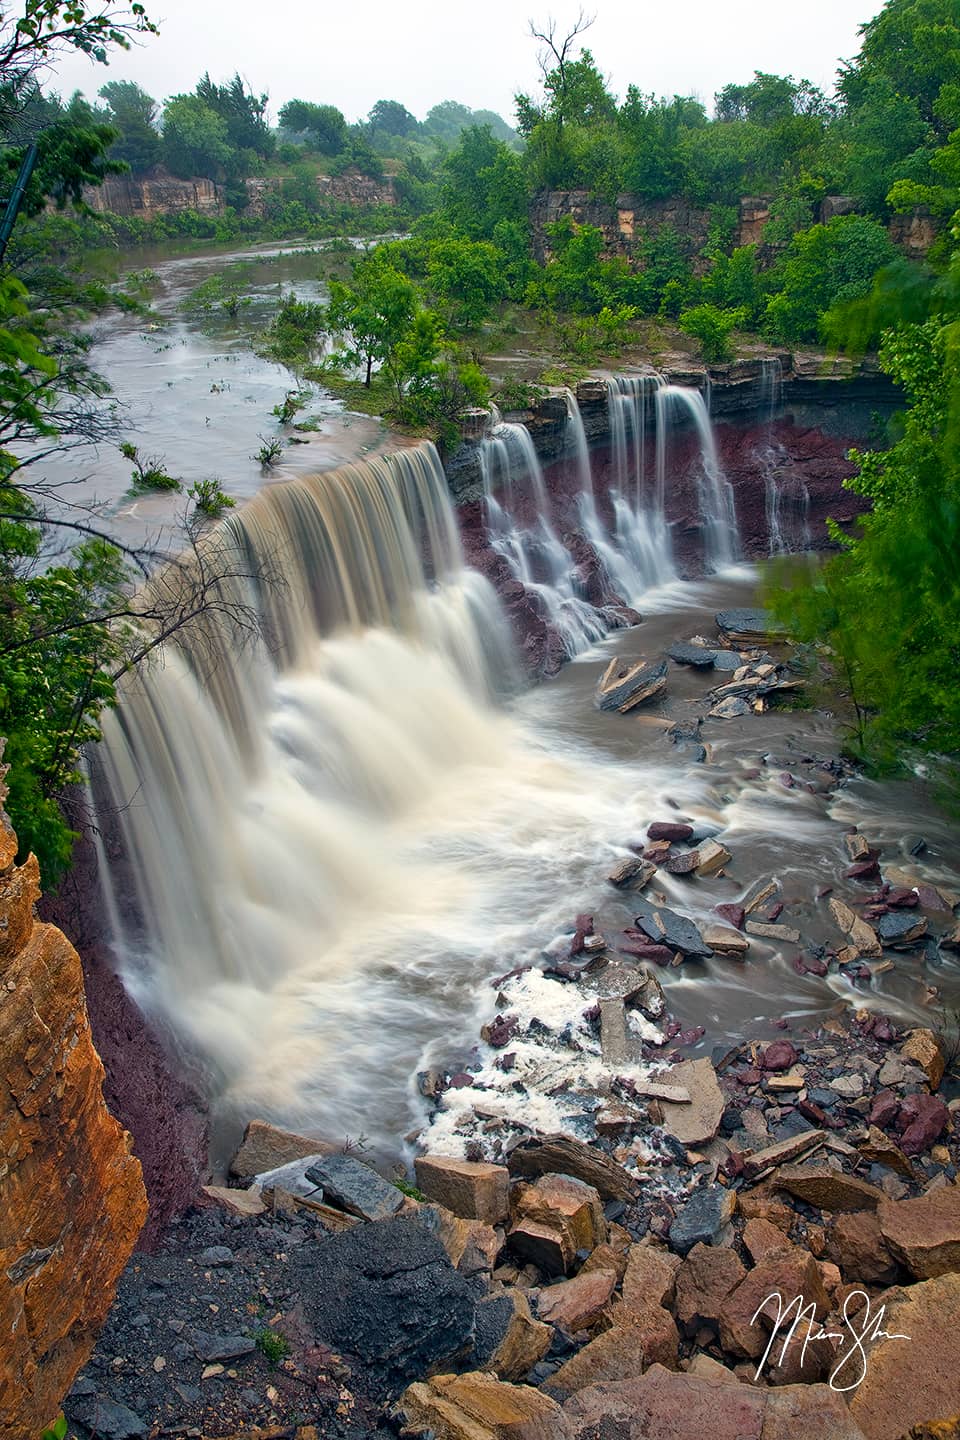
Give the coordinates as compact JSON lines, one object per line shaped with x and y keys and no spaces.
{"x":483,"y":184}
{"x":30,"y":41}
{"x":914,"y":47}
{"x":243,"y":113}
{"x":323,"y":125}
{"x":556,"y":59}
{"x":195,"y":138}
{"x":392,"y":118}
{"x":467,"y":276}
{"x":825,"y":266}
{"x":767,"y":99}
{"x":382,"y":319}
{"x":133,"y":113}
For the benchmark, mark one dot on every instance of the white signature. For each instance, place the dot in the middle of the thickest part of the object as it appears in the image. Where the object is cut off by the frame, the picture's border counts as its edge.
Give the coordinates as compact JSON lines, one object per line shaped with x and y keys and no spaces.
{"x":853,"y":1360}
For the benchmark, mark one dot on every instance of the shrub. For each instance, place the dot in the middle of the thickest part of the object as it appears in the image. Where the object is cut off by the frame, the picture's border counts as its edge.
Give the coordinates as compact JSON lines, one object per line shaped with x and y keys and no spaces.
{"x":273,"y":1346}
{"x":825,"y":266}
{"x":148,"y":471}
{"x":269,"y":453}
{"x":210,"y":498}
{"x":712,"y":327}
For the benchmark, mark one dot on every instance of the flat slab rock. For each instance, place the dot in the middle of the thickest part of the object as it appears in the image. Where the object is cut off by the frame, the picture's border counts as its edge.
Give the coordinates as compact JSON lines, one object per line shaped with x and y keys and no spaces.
{"x":356,"y":1188}
{"x":698,"y":1120}
{"x":666,"y":927}
{"x":749,"y":625}
{"x":667,"y":1405}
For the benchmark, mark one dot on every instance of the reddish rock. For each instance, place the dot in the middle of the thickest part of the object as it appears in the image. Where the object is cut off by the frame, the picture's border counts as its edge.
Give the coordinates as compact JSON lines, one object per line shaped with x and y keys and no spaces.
{"x":781,"y":1055}
{"x":650,"y":1274}
{"x":787,"y":1273}
{"x":922,"y":1120}
{"x":924,"y":1233}
{"x":472,"y":1190}
{"x":911,"y":1382}
{"x":857,"y":1245}
{"x":614,"y":1355}
{"x":72,"y":1200}
{"x":669,"y":830}
{"x":704,"y":1280}
{"x":761,"y":1237}
{"x":735,"y":915}
{"x":885,"y":1109}
{"x":577,"y":1304}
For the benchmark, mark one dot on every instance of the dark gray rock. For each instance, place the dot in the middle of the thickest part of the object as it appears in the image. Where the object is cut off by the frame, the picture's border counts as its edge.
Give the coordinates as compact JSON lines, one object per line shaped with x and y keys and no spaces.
{"x":387,"y":1294}
{"x":901,"y":927}
{"x":494,"y":1313}
{"x":107,"y":1419}
{"x":751,"y":626}
{"x":666,"y":927}
{"x":702,"y":1219}
{"x":694,"y":655}
{"x":355,"y":1187}
{"x":216,"y":1255}
{"x":227,"y":1347}
{"x":726,"y":660}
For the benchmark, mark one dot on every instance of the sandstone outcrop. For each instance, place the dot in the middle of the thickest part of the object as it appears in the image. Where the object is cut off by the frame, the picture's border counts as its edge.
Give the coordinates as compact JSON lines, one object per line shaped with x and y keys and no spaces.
{"x":72,"y":1200}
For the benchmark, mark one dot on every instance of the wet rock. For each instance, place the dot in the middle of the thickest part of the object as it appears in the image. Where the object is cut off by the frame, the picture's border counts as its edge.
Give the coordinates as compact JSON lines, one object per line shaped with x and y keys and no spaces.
{"x":666,"y":927}
{"x":555,"y":1218}
{"x":703,"y":1219}
{"x":758,"y":894}
{"x":632,"y":874}
{"x":857,"y":846}
{"x":788,"y":1273}
{"x":921,"y":1121}
{"x":746,"y":627}
{"x":350,"y":1185}
{"x":472,"y":1246}
{"x":265,"y":1147}
{"x":924,"y":1048}
{"x":695,"y":655}
{"x":924,"y":1233}
{"x":727,"y":660}
{"x":885,"y":1108}
{"x":623,"y":687}
{"x":780,"y":1055}
{"x":577,"y":1304}
{"x":386,"y":1293}
{"x":735,"y":914}
{"x":672,"y":830}
{"x":901,"y":930}
{"x":477,"y":1406}
{"x":780,"y":1153}
{"x":784,"y":933}
{"x":713,"y":857}
{"x":698,"y":1120}
{"x":909,"y":1382}
{"x":559,"y":1154}
{"x":859,"y":932}
{"x":508,"y":1339}
{"x":500,"y":1031}
{"x":827,"y":1188}
{"x":857,"y":1245}
{"x":670,"y":1405}
{"x":730,"y":708}
{"x":472,"y":1190}
{"x":723,"y":941}
{"x":704,"y":1280}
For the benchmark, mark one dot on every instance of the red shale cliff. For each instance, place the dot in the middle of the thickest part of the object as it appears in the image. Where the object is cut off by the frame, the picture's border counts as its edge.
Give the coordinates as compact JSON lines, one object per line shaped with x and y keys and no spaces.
{"x":72,"y":1200}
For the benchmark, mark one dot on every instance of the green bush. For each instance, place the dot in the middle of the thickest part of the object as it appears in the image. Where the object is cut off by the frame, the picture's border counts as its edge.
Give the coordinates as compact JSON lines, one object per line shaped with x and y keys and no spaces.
{"x":712,"y":327}
{"x":210,"y":498}
{"x":824,"y":266}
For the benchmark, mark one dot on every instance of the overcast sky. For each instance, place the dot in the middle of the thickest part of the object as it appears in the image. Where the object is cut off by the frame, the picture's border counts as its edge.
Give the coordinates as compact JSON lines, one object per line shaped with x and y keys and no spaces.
{"x":420,"y":52}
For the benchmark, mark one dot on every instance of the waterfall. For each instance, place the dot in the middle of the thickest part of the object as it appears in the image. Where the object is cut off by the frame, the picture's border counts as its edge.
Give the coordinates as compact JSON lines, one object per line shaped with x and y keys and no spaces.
{"x":787,"y":504}
{"x":717,"y":509}
{"x":521,"y":528}
{"x":770,"y":388}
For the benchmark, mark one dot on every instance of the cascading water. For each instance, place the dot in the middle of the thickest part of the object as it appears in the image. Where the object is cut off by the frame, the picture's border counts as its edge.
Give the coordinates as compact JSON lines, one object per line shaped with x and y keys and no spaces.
{"x":330,"y":843}
{"x":787,"y":499}
{"x":717,"y":509}
{"x":521,"y":529}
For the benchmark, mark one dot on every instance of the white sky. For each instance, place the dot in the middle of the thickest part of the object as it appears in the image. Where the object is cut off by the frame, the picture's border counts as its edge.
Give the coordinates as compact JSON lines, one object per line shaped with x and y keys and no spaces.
{"x":354,"y":52}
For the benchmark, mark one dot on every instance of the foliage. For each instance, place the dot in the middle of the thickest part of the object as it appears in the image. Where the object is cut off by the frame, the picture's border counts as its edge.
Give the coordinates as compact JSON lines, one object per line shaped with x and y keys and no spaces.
{"x":406,"y":1187}
{"x":148,"y":472}
{"x":712,"y":327}
{"x":221,"y":293}
{"x":210,"y":499}
{"x":324,"y":125}
{"x":195,"y":138}
{"x":295,"y":331}
{"x":824,"y":266}
{"x":515,"y":394}
{"x":272,"y":1345}
{"x":56,"y":1431}
{"x":133,"y":113}
{"x":271,"y":450}
{"x":293,"y":402}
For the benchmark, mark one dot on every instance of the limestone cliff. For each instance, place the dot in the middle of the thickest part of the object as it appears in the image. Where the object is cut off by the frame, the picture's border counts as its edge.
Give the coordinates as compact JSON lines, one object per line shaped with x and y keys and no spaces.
{"x":71,"y":1194}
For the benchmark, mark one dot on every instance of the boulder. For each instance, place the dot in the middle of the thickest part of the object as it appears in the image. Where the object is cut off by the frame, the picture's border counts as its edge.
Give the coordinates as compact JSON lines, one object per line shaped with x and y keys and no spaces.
{"x":703,"y":1219}
{"x":761,"y":1237}
{"x":265,"y":1147}
{"x":734,"y":914}
{"x":744,"y":628}
{"x":649,"y":1276}
{"x":857,"y":1245}
{"x":669,"y":1405}
{"x":473,"y":1190}
{"x":924,"y":1048}
{"x":472,"y":1245}
{"x":559,"y":1154}
{"x":901,"y":930}
{"x":386,"y":1293}
{"x":577,"y":1304}
{"x":698,"y":1120}
{"x":554,"y":1218}
{"x":787,"y":1273}
{"x":695,"y":655}
{"x":781,"y":1152}
{"x":827,"y":1188}
{"x":508,"y":1340}
{"x":909,"y":1382}
{"x":616,"y":1354}
{"x":623,"y":687}
{"x":704,"y":1280}
{"x":666,"y":927}
{"x":477,"y":1406}
{"x":924,"y":1233}
{"x":350,"y":1185}
{"x":921,"y":1121}
{"x":669,"y":830}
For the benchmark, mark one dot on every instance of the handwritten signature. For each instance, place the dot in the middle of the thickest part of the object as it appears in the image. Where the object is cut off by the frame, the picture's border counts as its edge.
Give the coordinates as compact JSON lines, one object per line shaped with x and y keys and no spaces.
{"x":862,"y":1329}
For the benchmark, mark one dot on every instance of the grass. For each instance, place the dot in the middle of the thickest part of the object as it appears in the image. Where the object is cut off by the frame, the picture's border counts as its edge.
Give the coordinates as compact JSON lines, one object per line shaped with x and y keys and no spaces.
{"x":273,"y":1346}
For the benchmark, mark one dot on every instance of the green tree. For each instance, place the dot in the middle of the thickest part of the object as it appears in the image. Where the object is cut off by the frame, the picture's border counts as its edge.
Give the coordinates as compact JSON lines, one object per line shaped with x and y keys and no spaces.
{"x":389,"y":117}
{"x":824,"y":266}
{"x":195,"y":138}
{"x":379,"y":317}
{"x":243,"y":113}
{"x":323,"y":125}
{"x":467,"y":277}
{"x":133,"y":113}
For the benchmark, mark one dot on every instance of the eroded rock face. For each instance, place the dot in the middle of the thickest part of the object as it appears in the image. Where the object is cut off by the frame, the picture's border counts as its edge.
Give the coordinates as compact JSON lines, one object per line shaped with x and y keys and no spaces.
{"x":72,"y":1201}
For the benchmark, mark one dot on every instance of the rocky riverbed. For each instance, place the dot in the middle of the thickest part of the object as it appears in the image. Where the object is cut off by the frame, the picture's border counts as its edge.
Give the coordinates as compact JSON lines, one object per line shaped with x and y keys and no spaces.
{"x":602,"y":1202}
